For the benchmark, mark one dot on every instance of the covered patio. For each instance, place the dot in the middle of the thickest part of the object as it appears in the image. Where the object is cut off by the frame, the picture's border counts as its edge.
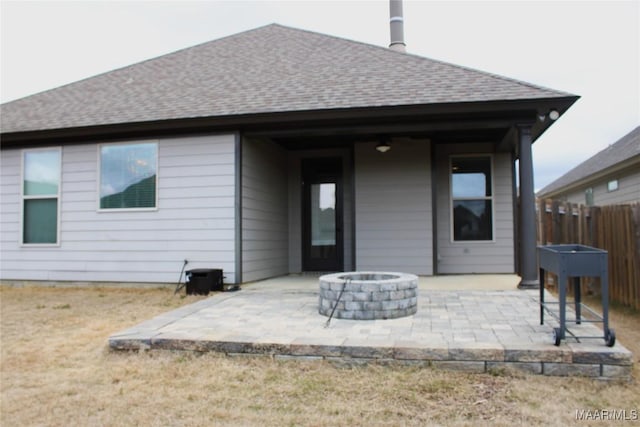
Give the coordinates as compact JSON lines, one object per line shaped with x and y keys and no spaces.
{"x":478,"y":323}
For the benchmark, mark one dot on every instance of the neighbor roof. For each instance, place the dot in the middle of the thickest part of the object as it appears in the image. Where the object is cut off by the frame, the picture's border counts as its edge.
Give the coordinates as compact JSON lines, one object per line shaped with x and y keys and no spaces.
{"x":626,"y":148}
{"x":266,"y":70}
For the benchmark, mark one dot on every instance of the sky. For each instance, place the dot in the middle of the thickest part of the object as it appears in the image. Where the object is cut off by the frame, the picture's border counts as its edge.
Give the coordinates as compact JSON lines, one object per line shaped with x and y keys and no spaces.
{"x":587,"y":48}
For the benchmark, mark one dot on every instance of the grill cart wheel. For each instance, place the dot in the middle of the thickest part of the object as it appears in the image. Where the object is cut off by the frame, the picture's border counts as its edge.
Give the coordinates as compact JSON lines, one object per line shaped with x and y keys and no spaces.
{"x":610,"y":338}
{"x":557,"y":334}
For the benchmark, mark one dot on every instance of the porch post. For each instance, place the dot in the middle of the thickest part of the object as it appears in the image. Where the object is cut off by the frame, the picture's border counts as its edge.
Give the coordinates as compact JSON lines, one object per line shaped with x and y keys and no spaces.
{"x":528,"y":260}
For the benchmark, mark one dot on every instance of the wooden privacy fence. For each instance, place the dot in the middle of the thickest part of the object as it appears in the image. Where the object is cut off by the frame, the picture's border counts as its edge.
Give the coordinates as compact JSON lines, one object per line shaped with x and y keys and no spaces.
{"x":614,"y":228}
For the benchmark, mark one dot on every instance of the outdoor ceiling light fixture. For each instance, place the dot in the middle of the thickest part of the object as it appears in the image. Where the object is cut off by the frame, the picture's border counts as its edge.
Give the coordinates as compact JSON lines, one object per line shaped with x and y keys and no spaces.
{"x":383,"y":146}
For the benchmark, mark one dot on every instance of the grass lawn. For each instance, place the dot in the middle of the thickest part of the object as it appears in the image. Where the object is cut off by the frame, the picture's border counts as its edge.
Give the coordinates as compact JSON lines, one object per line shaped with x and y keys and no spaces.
{"x":56,"y":370}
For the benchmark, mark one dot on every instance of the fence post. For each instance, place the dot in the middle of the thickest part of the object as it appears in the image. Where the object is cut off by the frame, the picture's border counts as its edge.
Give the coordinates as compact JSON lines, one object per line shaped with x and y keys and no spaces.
{"x":635,"y":276}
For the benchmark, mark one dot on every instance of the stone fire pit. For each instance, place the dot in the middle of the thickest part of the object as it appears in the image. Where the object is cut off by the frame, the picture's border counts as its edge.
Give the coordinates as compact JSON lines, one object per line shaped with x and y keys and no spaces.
{"x":368,"y":295}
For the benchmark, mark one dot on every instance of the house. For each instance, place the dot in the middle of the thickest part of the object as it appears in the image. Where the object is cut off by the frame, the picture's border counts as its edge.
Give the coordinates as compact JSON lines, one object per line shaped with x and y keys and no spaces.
{"x":270,"y":152}
{"x":610,"y":177}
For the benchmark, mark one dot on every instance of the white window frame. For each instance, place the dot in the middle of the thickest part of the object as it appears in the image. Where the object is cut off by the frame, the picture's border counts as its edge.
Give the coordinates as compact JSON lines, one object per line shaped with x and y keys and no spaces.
{"x":99,"y":177}
{"x":57,"y":196}
{"x":492,"y":198}
{"x":612,"y":185}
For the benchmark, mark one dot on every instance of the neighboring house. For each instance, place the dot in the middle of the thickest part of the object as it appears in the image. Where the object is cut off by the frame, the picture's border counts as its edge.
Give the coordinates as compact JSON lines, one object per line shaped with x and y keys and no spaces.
{"x":262,"y":154}
{"x":610,"y":177}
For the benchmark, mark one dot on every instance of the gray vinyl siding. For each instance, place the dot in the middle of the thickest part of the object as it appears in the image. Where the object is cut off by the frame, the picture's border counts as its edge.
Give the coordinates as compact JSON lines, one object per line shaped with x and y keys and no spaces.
{"x":496,"y":256}
{"x":194,"y":219}
{"x":393,"y":207}
{"x":265,"y":219}
{"x":577,"y":196}
{"x":628,"y":190}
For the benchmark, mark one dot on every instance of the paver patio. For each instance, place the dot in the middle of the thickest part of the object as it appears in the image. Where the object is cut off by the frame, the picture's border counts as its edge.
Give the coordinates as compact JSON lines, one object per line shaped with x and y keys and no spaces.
{"x":473,"y":323}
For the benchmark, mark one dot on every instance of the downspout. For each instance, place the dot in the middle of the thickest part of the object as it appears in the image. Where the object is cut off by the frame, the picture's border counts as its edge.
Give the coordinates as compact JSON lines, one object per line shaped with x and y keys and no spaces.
{"x":238,"y":207}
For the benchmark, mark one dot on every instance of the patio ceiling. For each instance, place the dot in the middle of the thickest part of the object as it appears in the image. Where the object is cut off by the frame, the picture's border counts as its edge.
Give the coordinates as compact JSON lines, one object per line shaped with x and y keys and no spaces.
{"x":444,"y":123}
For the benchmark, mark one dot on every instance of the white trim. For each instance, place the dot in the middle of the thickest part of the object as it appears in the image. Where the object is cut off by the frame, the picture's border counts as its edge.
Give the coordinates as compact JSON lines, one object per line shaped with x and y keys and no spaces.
{"x":57,"y":196}
{"x":99,"y":176}
{"x":491,"y":198}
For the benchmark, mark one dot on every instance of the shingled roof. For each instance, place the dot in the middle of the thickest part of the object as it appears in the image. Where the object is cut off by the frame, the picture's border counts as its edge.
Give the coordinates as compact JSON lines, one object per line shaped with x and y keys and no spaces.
{"x":625,"y":149}
{"x":271,"y":69}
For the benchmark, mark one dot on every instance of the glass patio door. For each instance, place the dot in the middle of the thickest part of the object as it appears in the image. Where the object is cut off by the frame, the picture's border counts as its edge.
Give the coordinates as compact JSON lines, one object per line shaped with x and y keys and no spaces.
{"x":322,"y":214}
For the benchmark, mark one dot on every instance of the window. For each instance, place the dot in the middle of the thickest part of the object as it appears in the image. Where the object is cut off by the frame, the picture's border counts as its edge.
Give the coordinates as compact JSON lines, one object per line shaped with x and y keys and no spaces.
{"x":128,"y":176}
{"x":323,"y":214}
{"x":588,"y":197}
{"x":612,"y":185}
{"x":472,"y":198}
{"x":40,"y":194}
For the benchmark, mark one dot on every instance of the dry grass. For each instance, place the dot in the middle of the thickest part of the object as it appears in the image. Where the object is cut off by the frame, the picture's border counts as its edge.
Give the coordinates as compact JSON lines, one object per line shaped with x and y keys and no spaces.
{"x":56,"y":370}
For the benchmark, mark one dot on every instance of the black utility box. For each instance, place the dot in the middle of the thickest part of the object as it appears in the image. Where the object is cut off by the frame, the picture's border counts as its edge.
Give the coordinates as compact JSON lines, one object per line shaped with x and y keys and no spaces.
{"x":203,"y":280}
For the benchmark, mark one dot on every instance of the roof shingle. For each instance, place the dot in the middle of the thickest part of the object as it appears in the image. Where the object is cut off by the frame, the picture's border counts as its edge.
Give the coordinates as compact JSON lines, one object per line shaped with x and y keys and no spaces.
{"x":266,"y":70}
{"x":625,"y":148}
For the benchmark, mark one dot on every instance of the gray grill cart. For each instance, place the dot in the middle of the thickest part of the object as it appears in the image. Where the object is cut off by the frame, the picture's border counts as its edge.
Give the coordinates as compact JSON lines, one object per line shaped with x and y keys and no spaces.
{"x":575,"y":261}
